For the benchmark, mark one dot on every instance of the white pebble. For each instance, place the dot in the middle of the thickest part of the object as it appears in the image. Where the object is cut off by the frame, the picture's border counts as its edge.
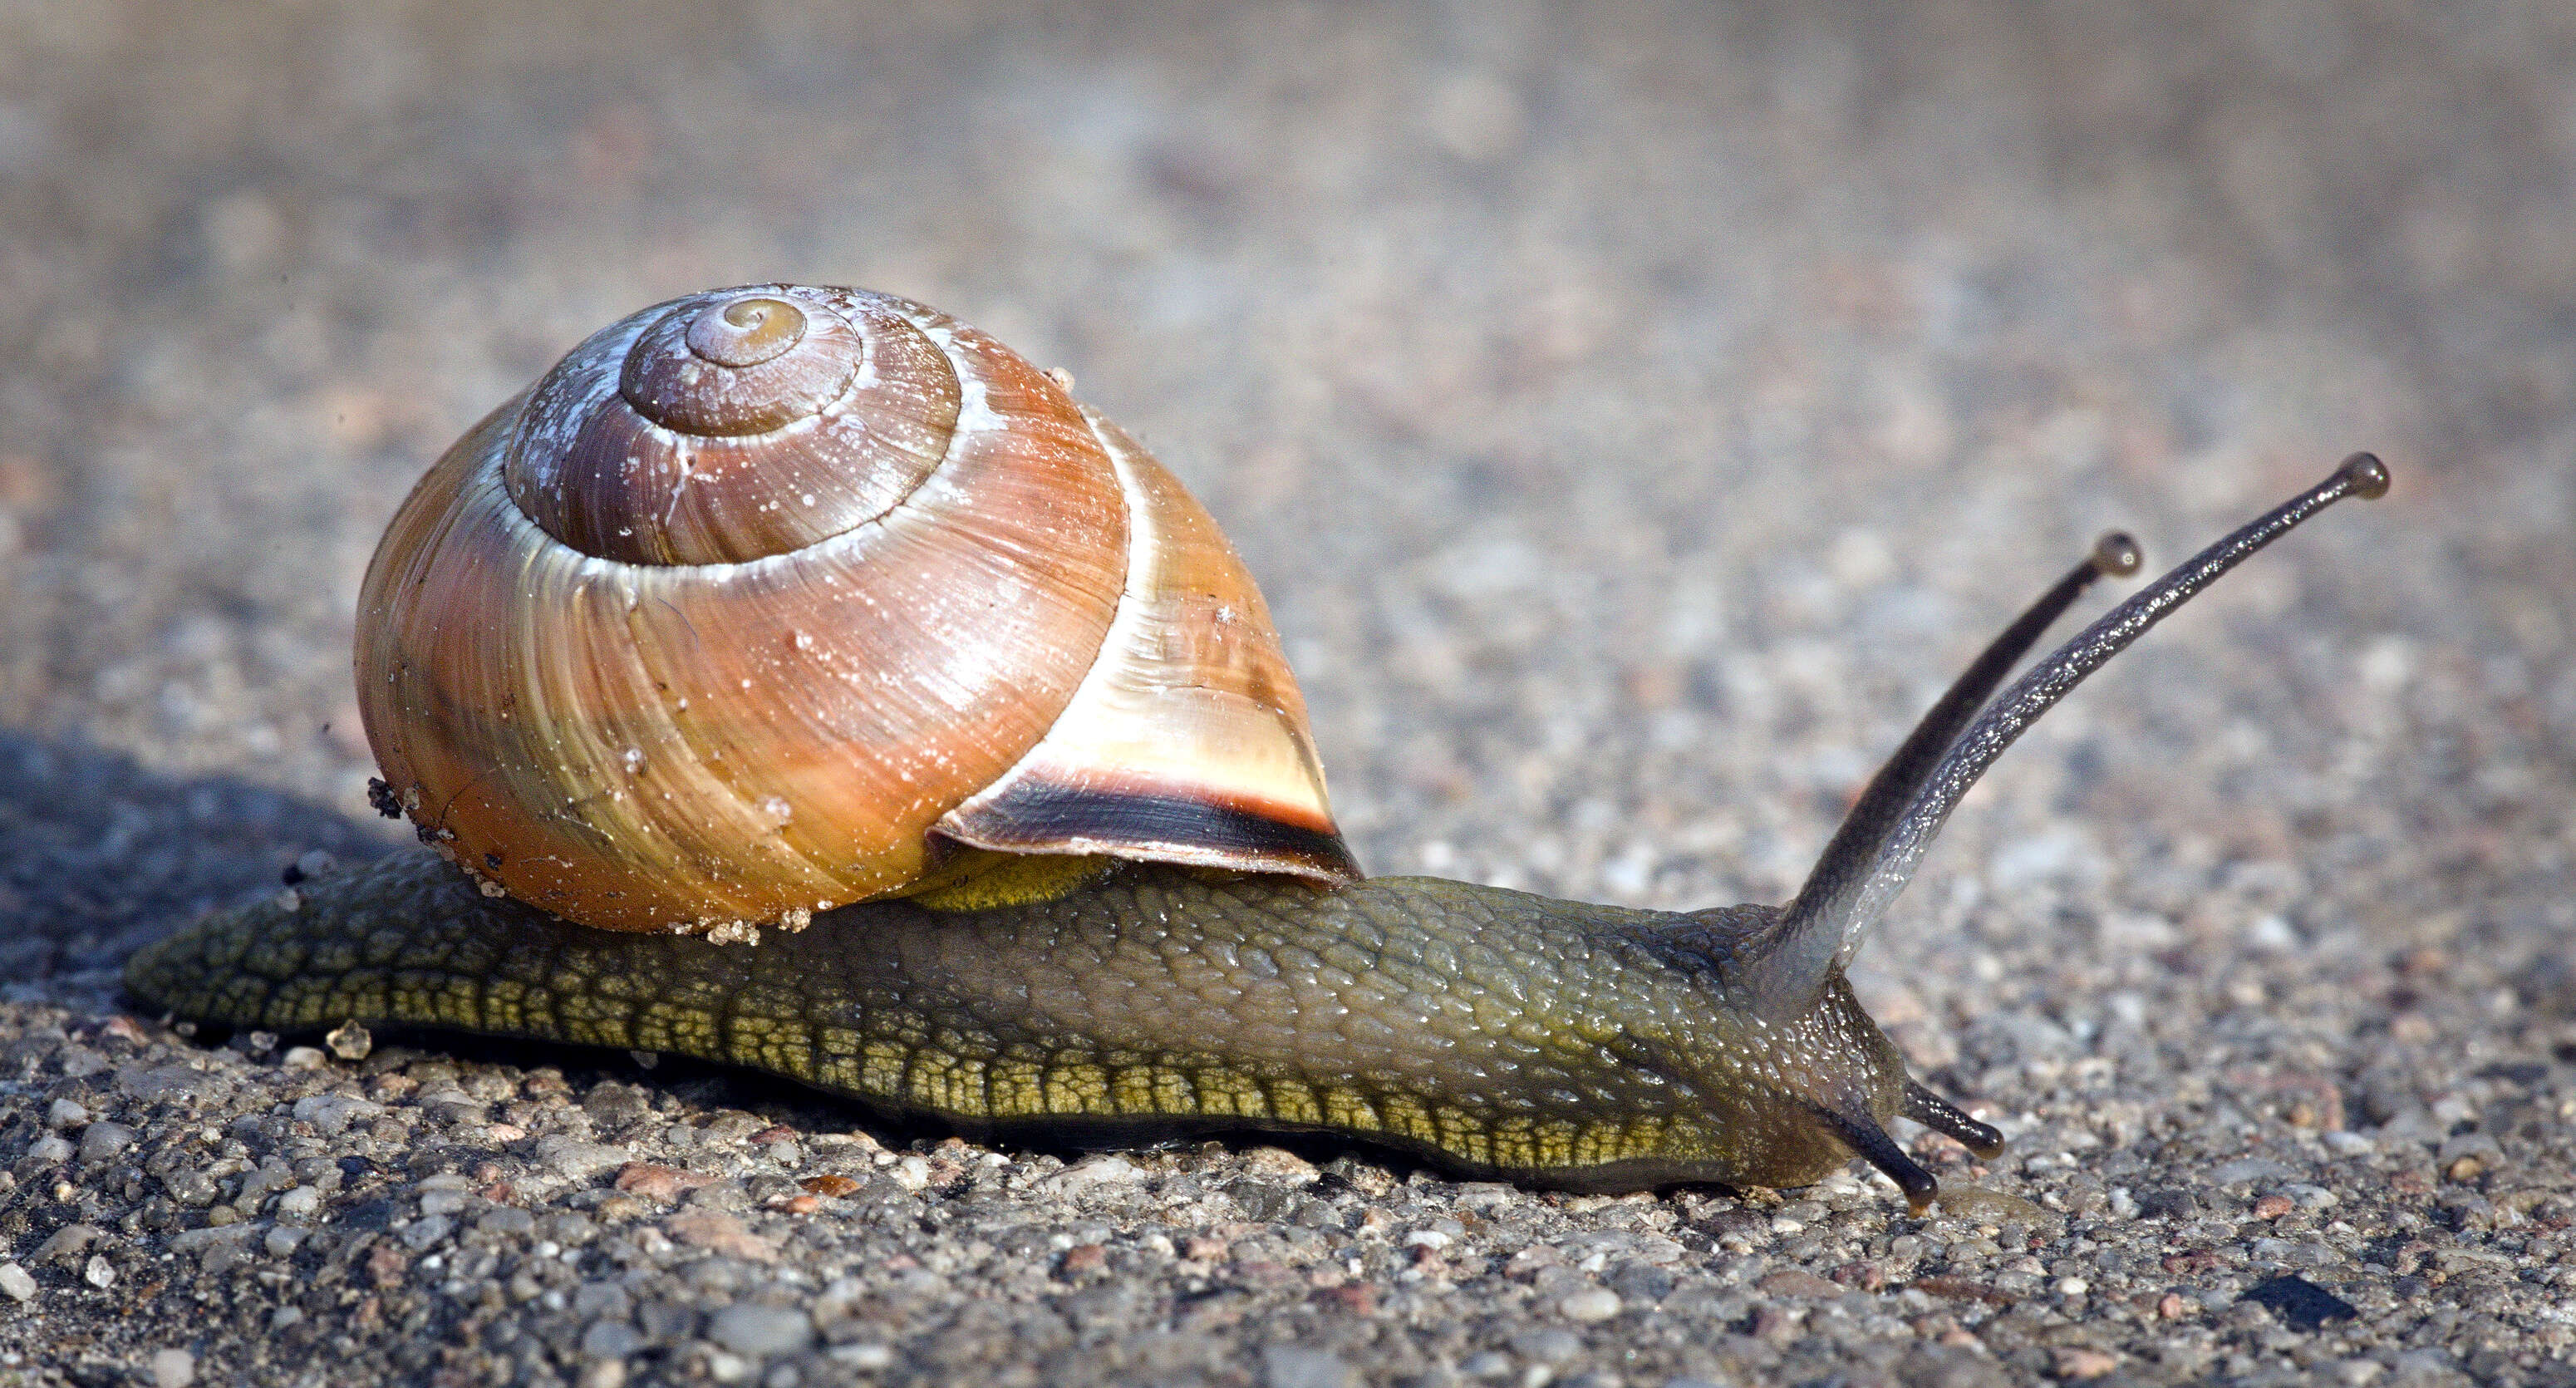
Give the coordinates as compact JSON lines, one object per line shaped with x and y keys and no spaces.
{"x":303,"y":1058}
{"x":1111,"y":1170}
{"x":299,"y":1202}
{"x":759,"y":1332}
{"x":1590,"y":1305}
{"x":15,"y":1281}
{"x":173,"y":1368}
{"x":99,"y":1274}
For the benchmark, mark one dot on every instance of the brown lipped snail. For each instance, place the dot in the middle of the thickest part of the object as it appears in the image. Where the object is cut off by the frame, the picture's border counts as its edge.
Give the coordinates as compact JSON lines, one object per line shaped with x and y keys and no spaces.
{"x":803,"y":680}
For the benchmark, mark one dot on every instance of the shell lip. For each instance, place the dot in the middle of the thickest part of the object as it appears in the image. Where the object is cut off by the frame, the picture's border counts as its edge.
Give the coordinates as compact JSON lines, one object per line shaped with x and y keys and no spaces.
{"x":1035,"y":817}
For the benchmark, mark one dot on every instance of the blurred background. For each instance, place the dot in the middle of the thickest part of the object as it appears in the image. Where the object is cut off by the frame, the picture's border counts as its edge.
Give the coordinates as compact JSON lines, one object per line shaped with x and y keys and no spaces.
{"x":1634,"y":412}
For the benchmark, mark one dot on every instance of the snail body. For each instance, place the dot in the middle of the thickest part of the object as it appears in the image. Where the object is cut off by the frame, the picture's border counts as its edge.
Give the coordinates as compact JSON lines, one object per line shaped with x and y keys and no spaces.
{"x":612,"y":655}
{"x":1498,"y":1033}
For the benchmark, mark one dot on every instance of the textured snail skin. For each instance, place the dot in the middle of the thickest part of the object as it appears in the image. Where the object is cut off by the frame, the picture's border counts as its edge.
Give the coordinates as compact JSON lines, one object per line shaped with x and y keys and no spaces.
{"x":1494,"y":1032}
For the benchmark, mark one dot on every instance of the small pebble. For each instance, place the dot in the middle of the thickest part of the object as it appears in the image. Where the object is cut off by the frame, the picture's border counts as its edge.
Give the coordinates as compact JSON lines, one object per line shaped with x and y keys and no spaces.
{"x":350,"y":1041}
{"x":49,"y":1150}
{"x":99,"y":1273}
{"x":1590,"y":1305}
{"x":581,"y":1160}
{"x":65,"y":1113}
{"x":17,"y":1283}
{"x":423,"y":1232}
{"x":610,"y":1339}
{"x":761,"y":1331}
{"x":67,"y":1243}
{"x":658,"y":1182}
{"x":1091,"y":1172}
{"x":1549,"y":1345}
{"x":104,"y":1139}
{"x":173,"y":1368}
{"x":1797,"y":1282}
{"x":1296,"y":1366}
{"x":303,"y":1058}
{"x":2080,"y":1363}
{"x":1280,"y":1162}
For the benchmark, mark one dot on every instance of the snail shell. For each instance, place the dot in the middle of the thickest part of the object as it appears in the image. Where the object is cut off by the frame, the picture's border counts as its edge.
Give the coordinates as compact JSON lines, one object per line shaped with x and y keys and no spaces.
{"x":772,"y":599}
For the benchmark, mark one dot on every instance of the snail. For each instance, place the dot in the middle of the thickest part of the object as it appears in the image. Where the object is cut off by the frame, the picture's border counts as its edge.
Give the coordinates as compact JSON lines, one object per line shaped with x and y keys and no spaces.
{"x":798,"y":678}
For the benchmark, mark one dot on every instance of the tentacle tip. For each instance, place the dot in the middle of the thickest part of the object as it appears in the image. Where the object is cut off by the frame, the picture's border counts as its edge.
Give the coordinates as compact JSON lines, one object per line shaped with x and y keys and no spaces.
{"x":2364,"y":476}
{"x":2117,"y":554}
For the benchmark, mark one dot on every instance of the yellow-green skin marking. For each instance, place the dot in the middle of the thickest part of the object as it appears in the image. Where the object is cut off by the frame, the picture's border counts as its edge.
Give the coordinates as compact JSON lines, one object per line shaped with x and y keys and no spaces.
{"x":1496,"y":1033}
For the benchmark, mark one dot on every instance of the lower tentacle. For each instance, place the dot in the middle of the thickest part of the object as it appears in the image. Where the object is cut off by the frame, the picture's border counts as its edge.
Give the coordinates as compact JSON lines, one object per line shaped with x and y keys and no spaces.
{"x":1948,"y":1119}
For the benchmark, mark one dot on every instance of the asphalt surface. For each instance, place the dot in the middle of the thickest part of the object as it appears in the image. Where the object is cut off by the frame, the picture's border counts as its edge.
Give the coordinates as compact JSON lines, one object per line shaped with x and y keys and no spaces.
{"x":1633,"y":414}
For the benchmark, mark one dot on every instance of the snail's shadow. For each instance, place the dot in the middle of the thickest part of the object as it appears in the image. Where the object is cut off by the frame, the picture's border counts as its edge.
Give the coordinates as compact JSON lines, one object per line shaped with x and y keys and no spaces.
{"x":100,"y":856}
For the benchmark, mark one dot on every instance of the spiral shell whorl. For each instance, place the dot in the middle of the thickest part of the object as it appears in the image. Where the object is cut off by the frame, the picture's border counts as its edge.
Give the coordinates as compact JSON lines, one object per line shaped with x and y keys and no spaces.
{"x":733,"y":426}
{"x":746,"y":332}
{"x":746,"y":366}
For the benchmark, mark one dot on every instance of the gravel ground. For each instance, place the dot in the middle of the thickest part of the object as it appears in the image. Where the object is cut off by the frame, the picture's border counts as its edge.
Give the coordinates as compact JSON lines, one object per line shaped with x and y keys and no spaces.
{"x":1634,"y":415}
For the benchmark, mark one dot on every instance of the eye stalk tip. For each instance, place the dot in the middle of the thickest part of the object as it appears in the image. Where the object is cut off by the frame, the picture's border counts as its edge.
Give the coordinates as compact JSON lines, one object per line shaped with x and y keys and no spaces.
{"x":2117,"y":554}
{"x":2365,"y":476}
